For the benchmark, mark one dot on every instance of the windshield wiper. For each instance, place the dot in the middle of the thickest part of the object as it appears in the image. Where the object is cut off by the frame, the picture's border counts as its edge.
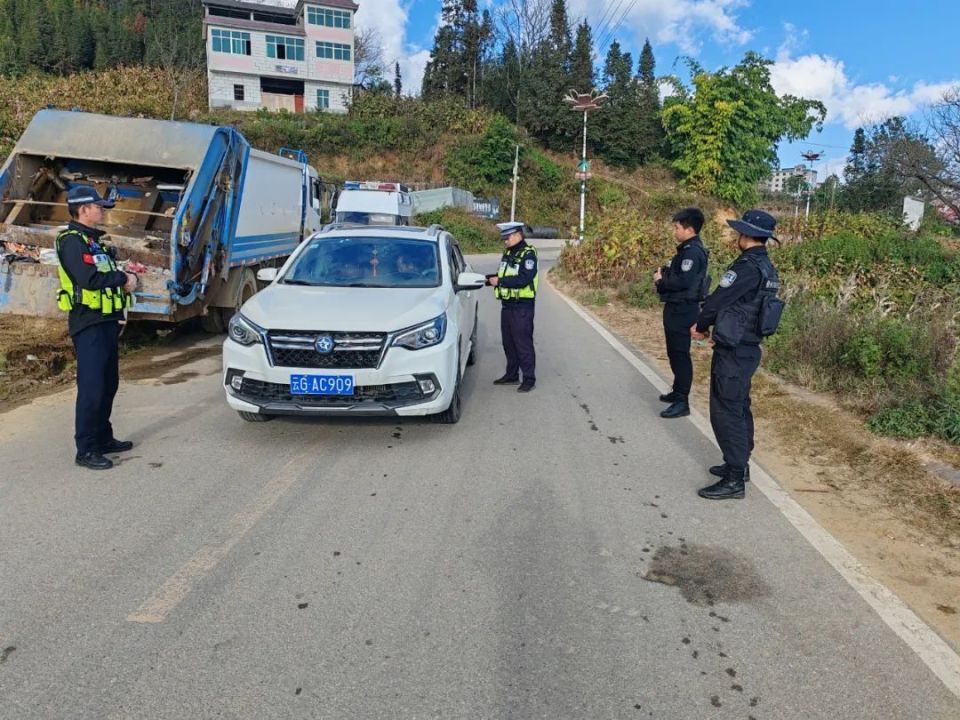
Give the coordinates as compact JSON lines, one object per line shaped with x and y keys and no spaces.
{"x":299,"y":282}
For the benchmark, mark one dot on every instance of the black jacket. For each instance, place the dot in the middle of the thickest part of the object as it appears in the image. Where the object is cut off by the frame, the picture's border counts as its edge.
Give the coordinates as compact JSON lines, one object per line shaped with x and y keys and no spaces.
{"x":683,"y":279}
{"x":740,"y":288}
{"x":76,"y":258}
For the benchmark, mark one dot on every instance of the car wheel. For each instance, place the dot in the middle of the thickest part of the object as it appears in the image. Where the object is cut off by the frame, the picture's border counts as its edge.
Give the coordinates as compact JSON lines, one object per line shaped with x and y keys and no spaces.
{"x":472,"y":357}
{"x":451,"y":415}
{"x":255,"y":417}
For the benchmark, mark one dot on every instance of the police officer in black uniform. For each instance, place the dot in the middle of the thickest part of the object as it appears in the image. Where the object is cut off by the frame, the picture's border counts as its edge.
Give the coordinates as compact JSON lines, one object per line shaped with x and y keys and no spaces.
{"x":682,"y":287}
{"x":516,"y":284}
{"x":733,"y":310}
{"x":95,"y":292}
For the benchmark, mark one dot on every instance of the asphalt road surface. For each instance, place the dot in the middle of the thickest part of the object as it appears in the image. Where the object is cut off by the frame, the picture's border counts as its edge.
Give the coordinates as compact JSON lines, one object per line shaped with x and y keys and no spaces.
{"x":547,"y":557}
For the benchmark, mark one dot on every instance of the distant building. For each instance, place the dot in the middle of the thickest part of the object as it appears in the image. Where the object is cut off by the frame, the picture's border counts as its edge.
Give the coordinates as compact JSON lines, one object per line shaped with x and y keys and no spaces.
{"x":778,"y":182}
{"x":296,"y":55}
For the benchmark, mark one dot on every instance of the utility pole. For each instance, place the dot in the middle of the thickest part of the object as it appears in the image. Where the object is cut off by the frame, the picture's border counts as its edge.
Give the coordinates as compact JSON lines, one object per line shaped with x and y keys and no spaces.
{"x":812,"y":158}
{"x":516,"y":174}
{"x":584,"y":102}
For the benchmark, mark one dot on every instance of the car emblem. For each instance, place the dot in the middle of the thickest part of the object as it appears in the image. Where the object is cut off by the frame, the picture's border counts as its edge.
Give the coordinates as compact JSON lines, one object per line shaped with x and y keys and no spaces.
{"x":324,"y":344}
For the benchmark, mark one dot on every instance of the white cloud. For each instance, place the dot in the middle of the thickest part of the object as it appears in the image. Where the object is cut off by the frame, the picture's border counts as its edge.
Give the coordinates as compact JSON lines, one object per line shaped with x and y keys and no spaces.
{"x":684,"y":22}
{"x":824,"y":78}
{"x":389,"y":18}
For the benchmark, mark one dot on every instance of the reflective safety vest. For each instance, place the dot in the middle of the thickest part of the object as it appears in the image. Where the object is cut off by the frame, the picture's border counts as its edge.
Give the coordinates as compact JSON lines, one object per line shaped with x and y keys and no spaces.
{"x":70,"y":296}
{"x":510,"y":267}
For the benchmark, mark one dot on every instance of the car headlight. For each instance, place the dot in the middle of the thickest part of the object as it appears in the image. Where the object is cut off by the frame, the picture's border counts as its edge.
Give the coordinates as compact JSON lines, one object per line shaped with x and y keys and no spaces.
{"x":423,"y":336}
{"x":244,"y":332}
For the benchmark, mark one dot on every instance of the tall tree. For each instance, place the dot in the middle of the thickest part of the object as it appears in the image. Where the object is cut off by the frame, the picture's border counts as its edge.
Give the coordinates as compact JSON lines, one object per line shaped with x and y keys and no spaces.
{"x":397,"y":81}
{"x":549,"y":80}
{"x":581,"y":63}
{"x":616,"y":123}
{"x":650,"y":135}
{"x":724,"y":131}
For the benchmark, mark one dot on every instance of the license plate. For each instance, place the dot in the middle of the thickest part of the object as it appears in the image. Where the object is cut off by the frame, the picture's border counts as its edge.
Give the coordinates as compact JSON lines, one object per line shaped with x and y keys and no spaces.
{"x":321,"y":385}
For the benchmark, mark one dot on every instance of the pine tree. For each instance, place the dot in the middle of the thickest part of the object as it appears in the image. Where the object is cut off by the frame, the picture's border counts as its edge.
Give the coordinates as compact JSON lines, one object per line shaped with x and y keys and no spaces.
{"x":650,"y":132}
{"x":617,"y":127}
{"x":549,"y":81}
{"x":397,"y":81}
{"x":581,"y":65}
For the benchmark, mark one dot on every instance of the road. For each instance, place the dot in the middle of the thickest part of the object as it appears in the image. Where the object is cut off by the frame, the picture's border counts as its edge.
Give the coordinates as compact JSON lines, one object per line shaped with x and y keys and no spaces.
{"x":547,"y":557}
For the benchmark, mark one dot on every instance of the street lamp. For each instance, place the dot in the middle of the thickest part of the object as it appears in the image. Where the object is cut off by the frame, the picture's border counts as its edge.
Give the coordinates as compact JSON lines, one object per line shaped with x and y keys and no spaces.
{"x":584,"y":102}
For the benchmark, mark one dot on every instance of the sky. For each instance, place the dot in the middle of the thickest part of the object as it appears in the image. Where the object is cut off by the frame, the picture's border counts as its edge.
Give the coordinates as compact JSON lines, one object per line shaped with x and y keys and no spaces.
{"x":863,"y":59}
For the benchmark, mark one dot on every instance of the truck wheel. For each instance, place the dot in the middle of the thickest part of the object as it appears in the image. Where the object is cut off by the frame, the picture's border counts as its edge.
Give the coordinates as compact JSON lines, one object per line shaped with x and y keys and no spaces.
{"x":255,"y":417}
{"x":213,"y":321}
{"x":217,"y":319}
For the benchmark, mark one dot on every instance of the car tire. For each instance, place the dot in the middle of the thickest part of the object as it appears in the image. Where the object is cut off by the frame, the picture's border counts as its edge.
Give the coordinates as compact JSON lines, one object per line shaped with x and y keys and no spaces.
{"x":472,"y":357}
{"x":255,"y":417}
{"x":451,"y":416}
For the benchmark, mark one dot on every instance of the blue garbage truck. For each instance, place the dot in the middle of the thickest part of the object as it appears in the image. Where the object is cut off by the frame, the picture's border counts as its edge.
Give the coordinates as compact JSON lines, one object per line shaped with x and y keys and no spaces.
{"x":197,"y":213}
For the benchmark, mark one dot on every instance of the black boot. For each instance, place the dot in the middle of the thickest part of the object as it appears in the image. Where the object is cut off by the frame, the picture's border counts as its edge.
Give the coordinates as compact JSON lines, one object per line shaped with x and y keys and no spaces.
{"x":721,"y":470}
{"x":507,"y":380}
{"x":94,"y":461}
{"x":730,"y":487}
{"x":671,"y":397}
{"x":679,"y":409}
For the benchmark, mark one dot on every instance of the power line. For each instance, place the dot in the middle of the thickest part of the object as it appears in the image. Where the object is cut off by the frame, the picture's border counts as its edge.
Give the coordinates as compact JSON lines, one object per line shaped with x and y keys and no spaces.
{"x":604,"y":20}
{"x":613,"y":30}
{"x":603,"y":27}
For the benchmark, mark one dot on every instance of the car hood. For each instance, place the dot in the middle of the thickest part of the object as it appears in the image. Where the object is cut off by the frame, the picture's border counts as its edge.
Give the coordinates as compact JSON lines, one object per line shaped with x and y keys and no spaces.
{"x":286,"y":307}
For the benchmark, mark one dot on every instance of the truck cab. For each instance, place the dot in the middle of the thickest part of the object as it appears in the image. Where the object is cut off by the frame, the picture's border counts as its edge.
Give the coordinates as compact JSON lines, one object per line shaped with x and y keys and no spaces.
{"x":374,"y":203}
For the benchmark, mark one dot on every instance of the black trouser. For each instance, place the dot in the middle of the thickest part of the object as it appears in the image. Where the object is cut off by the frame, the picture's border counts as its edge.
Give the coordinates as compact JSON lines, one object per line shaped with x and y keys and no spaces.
{"x":730,"y":377}
{"x":516,"y":330}
{"x":98,"y":376}
{"x":677,"y":319}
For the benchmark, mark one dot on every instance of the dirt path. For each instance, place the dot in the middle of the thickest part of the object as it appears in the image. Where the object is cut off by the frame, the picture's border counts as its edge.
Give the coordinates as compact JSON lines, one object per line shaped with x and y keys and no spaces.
{"x":891,"y":503}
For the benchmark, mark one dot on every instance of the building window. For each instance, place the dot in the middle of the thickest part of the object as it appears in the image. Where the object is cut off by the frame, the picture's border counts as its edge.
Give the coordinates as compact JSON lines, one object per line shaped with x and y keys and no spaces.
{"x":328,"y":18}
{"x":323,"y":99}
{"x":230,"y":42}
{"x":280,"y":47}
{"x":238,"y":92}
{"x":333,"y":51}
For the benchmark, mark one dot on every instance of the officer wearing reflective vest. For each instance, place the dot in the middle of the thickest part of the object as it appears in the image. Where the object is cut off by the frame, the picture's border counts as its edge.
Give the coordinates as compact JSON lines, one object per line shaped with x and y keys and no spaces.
{"x":682,"y":286}
{"x":516,"y":284}
{"x":742,"y":310}
{"x":95,"y":293}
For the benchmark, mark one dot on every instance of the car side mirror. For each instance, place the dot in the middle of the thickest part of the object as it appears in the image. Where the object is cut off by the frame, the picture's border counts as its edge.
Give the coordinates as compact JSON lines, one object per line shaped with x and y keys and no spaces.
{"x":267,"y":274}
{"x":470,"y":281}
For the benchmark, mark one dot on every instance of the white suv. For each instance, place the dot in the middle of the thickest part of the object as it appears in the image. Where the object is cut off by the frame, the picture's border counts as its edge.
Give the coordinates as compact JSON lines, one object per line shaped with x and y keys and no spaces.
{"x":358,"y":321}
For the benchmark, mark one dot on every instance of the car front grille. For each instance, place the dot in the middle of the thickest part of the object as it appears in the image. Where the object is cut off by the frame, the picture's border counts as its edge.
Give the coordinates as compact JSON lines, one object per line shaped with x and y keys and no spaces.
{"x":350,"y":351}
{"x":396,"y":394}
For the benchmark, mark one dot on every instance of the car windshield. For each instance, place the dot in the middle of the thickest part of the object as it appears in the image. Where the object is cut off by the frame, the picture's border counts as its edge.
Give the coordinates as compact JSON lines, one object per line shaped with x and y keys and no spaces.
{"x":381,"y":262}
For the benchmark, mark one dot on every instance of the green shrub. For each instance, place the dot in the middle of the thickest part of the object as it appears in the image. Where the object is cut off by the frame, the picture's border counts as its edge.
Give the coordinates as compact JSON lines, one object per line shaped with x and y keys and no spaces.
{"x":474,"y":234}
{"x":639,"y":295}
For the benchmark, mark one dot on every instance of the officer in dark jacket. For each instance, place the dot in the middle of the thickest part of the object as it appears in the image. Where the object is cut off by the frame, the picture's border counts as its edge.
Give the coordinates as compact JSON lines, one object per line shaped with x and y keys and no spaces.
{"x":734,"y":312}
{"x":95,"y":292}
{"x":682,"y":287}
{"x":516,"y":284}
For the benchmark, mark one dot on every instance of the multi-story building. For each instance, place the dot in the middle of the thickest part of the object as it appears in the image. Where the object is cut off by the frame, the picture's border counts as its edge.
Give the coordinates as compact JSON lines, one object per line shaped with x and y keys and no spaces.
{"x":778,"y":182}
{"x":280,"y":54}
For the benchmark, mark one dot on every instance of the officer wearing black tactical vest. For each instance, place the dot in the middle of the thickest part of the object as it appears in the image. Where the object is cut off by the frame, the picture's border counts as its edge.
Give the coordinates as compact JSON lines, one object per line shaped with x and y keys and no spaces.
{"x":742,"y":310}
{"x":95,"y":293}
{"x":516,"y":284}
{"x":682,"y":286}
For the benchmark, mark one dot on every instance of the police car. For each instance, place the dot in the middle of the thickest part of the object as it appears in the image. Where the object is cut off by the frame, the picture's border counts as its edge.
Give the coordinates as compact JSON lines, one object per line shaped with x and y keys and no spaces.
{"x":358,"y":321}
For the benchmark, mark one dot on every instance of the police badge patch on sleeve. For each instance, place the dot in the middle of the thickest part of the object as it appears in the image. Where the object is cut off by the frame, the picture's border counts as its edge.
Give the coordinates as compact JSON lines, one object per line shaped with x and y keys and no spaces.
{"x":685,"y":265}
{"x":529,"y":264}
{"x":728,"y":279}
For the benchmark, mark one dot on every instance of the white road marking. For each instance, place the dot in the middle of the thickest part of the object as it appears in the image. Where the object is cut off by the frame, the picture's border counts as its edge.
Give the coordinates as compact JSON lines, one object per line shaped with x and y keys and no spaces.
{"x":178,"y":586}
{"x":933,"y":650}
